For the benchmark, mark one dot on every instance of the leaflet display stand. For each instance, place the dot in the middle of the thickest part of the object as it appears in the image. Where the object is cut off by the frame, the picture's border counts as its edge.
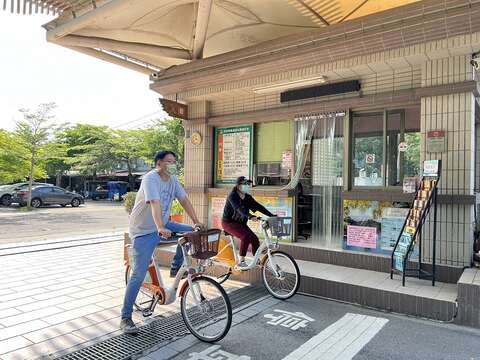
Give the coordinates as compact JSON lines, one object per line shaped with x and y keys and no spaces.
{"x":411,"y":233}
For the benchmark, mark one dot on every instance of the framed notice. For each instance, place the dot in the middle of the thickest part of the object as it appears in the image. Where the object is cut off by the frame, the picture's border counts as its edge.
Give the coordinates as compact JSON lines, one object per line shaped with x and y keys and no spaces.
{"x":436,"y":141}
{"x":233,"y":153}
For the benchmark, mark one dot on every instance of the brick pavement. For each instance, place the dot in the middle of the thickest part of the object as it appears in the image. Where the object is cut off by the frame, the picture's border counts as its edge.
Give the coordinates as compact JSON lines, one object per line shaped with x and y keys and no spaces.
{"x":54,"y":300}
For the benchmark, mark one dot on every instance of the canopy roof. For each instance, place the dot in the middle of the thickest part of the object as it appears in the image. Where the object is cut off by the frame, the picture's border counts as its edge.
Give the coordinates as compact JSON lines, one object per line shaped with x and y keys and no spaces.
{"x":151,"y":35}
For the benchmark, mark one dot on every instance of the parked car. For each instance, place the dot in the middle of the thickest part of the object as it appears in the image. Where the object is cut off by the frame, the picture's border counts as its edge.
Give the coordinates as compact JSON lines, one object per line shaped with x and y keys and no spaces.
{"x":6,"y":191}
{"x":48,"y":195}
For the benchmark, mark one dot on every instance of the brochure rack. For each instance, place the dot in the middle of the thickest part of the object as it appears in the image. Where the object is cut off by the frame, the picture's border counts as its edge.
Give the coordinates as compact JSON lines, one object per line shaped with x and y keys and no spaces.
{"x":411,"y":233}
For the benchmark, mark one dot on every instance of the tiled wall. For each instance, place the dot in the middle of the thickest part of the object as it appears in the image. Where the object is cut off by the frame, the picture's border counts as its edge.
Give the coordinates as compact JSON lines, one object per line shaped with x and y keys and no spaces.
{"x":453,"y":113}
{"x":198,"y":158}
{"x":372,"y":83}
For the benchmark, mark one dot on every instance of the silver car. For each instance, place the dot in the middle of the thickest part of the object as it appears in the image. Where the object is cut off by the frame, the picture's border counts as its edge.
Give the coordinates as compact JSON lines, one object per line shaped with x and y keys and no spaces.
{"x":48,"y":195}
{"x":6,"y":191}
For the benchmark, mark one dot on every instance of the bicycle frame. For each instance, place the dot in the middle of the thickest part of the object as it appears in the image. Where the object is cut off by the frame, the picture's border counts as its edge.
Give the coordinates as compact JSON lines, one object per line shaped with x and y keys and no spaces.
{"x":167,"y":295}
{"x":267,"y":244}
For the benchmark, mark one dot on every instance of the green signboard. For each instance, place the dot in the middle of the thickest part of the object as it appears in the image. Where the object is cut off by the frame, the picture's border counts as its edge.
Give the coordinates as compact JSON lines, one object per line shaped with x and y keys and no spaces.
{"x":233,"y":153}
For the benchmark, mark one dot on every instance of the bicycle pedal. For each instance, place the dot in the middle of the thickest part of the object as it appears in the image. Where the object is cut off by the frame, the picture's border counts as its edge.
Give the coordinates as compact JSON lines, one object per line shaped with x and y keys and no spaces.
{"x":147,"y":313}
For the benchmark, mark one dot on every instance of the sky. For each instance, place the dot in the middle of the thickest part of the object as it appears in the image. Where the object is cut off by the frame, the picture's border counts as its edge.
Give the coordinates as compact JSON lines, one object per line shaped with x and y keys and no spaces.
{"x":85,"y":89}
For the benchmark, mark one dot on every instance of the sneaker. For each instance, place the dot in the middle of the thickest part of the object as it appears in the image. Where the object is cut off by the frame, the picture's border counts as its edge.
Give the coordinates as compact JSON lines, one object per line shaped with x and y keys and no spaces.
{"x":128,"y":326}
{"x":242,"y":265}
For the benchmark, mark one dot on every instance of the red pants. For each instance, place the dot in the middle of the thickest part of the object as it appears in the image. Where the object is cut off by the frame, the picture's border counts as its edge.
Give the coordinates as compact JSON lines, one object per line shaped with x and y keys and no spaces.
{"x":245,"y":234}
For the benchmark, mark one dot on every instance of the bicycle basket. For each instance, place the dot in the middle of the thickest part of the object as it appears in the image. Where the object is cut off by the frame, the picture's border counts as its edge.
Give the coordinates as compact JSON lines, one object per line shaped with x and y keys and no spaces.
{"x":203,"y":244}
{"x":280,"y":226}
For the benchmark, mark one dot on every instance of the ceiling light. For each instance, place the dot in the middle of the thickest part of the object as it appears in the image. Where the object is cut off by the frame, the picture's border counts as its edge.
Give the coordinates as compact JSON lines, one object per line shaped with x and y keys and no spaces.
{"x":290,"y":85}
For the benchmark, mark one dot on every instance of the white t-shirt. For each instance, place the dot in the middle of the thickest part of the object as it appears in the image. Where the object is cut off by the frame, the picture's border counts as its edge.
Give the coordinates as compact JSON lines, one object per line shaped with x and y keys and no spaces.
{"x":153,"y":188}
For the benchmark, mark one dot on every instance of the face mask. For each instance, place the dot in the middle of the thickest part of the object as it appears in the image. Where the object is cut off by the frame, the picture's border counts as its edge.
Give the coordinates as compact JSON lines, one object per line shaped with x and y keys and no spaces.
{"x":172,"y":169}
{"x":245,"y":188}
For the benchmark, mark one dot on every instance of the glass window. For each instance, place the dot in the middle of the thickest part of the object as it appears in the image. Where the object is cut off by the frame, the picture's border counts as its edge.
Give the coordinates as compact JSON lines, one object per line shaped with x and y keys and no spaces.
{"x":273,"y":152}
{"x":389,"y":140}
{"x":58,"y":190}
{"x":367,"y":130}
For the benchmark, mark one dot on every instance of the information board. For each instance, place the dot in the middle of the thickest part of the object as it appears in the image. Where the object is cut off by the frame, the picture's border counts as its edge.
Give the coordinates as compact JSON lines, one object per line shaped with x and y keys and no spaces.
{"x":234,"y":153}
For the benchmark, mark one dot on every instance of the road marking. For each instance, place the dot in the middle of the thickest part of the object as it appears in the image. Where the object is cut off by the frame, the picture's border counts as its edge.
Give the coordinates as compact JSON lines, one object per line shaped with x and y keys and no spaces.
{"x":215,"y":352}
{"x":291,"y":320}
{"x":342,"y":340}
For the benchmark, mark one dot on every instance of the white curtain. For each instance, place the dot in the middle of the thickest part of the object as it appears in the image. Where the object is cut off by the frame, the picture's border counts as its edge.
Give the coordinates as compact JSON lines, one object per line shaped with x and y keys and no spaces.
{"x":305,"y":127}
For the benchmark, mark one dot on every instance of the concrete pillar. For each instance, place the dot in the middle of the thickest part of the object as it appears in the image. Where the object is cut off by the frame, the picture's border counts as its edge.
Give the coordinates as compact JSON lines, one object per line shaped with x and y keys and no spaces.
{"x":453,"y":113}
{"x":199,"y":158}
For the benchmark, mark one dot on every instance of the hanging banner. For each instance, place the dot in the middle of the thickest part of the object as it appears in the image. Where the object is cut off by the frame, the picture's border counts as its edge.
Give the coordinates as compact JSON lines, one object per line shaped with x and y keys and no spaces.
{"x":234,"y":153}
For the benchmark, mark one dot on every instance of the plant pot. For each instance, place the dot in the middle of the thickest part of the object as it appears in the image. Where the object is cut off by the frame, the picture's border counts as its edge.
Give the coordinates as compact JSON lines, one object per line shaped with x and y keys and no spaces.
{"x":178,"y":218}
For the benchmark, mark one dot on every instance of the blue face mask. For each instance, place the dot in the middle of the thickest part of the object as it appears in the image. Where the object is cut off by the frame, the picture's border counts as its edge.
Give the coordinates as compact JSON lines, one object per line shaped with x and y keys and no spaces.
{"x":245,"y":188}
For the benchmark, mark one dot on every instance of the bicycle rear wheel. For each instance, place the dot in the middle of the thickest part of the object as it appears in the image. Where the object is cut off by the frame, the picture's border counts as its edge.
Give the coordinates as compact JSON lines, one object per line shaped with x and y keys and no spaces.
{"x":206,"y":309}
{"x":283,"y":282}
{"x":144,"y":299}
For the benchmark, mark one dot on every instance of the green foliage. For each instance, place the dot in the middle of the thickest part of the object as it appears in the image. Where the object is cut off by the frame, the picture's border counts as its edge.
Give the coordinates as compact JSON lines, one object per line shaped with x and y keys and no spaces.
{"x":13,"y":166}
{"x":412,"y":155}
{"x":129,"y":201}
{"x":165,"y":134}
{"x":176,"y":209}
{"x":32,"y":135}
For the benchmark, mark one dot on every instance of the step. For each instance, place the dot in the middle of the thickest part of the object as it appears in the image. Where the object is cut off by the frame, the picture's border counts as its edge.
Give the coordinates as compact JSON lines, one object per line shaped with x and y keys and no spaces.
{"x":364,"y":287}
{"x":376,"y":289}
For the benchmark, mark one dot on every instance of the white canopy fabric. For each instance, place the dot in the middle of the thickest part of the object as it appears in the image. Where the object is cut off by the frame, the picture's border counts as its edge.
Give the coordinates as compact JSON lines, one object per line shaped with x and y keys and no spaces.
{"x":148,"y":35}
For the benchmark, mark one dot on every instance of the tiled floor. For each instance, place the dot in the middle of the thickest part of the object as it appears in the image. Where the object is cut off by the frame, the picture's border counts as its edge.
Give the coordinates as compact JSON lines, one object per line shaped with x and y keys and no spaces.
{"x":53,"y":300}
{"x":379,"y":280}
{"x":60,"y":299}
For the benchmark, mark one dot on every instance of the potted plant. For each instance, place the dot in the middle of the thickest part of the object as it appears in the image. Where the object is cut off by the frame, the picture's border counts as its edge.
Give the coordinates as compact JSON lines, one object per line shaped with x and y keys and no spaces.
{"x":176,"y":213}
{"x":129,"y":201}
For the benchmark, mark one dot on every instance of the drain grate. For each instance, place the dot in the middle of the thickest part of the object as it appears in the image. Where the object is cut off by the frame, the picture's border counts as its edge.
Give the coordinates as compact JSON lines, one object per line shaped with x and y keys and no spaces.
{"x":123,"y":347}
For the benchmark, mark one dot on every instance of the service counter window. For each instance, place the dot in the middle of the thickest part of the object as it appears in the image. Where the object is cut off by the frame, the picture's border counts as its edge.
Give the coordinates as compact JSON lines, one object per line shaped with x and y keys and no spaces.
{"x":385,"y":147}
{"x":273,"y":153}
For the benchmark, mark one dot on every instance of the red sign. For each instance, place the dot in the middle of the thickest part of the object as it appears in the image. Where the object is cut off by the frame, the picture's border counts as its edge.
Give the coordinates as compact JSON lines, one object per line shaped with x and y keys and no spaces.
{"x":436,"y":133}
{"x":175,"y":109}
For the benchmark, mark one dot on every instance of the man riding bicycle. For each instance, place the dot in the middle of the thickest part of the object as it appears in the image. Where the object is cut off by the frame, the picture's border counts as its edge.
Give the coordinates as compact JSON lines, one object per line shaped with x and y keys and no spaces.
{"x":237,"y":213}
{"x":149,"y":224}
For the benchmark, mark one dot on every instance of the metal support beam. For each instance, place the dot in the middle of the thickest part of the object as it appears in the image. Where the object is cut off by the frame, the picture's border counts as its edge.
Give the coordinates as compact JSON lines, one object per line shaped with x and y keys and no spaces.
{"x":203,"y":17}
{"x":313,"y":12}
{"x":112,"y":59}
{"x":123,"y":46}
{"x":83,"y":20}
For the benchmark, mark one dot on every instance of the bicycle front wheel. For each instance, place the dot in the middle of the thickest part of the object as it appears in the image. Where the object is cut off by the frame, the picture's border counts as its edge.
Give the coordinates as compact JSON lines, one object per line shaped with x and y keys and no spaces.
{"x":280,"y":275}
{"x":206,"y":309}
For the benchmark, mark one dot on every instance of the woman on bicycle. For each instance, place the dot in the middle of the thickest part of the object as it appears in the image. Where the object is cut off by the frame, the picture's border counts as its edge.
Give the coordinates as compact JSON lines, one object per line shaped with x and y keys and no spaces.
{"x":237,"y":213}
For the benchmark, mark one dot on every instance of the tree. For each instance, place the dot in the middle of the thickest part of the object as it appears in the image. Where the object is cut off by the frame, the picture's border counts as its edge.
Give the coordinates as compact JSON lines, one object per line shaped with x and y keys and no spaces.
{"x":127,"y":146}
{"x":32,"y":134}
{"x":13,"y":167}
{"x":165,"y":134}
{"x":87,"y":149}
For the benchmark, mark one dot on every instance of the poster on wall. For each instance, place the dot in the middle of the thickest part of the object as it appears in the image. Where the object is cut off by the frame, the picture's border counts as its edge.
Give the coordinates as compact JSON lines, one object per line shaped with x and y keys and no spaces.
{"x":385,"y":217}
{"x":280,"y":206}
{"x":234,"y":153}
{"x":391,"y":225}
{"x":362,"y":236}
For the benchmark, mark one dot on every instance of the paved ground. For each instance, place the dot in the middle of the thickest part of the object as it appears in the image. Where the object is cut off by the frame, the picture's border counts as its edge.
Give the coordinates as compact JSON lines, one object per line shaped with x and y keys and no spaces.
{"x":316,"y":329}
{"x":64,"y":299}
{"x":56,"y":222}
{"x":58,"y":299}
